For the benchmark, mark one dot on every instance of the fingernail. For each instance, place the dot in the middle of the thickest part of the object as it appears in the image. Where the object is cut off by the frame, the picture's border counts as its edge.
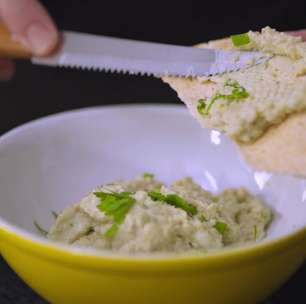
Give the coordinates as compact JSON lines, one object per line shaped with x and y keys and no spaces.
{"x":40,"y":39}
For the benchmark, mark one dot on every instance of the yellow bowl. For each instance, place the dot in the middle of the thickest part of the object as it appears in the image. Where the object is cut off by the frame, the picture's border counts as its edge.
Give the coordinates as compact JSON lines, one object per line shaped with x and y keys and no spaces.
{"x":246,"y":275}
{"x":50,"y":163}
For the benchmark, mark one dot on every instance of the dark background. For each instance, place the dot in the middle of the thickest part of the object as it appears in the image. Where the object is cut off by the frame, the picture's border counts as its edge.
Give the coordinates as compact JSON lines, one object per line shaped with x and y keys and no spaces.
{"x":37,"y":91}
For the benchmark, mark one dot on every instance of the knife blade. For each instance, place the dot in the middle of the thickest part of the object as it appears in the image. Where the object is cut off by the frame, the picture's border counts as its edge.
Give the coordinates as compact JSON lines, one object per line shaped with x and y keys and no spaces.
{"x":87,"y":51}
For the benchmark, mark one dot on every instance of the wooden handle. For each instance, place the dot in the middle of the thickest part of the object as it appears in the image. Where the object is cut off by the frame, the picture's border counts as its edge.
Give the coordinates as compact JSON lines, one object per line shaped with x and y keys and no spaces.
{"x":10,"y":48}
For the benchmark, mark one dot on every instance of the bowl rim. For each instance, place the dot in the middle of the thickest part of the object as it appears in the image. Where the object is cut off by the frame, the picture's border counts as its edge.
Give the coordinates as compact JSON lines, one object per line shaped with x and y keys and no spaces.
{"x":93,"y":259}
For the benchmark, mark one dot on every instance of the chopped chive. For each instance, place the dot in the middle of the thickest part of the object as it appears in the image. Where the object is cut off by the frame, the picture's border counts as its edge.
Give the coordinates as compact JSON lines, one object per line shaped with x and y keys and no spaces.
{"x":41,"y":230}
{"x":240,"y":39}
{"x":221,"y":227}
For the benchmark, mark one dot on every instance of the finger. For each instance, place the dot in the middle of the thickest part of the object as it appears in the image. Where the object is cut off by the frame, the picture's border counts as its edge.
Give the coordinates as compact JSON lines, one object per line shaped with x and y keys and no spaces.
{"x":7,"y":69}
{"x":30,"y":24}
{"x":301,"y":33}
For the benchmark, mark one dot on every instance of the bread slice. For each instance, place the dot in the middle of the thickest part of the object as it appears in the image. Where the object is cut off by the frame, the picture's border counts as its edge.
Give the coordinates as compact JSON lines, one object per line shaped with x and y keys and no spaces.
{"x":282,"y":149}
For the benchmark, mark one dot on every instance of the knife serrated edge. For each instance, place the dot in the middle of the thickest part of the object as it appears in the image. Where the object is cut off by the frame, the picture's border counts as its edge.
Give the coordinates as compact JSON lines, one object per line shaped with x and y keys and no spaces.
{"x":93,"y":63}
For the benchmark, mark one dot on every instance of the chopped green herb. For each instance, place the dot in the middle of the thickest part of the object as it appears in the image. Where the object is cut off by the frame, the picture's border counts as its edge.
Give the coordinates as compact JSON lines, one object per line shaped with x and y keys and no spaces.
{"x":41,"y":230}
{"x":201,"y":106}
{"x":179,"y":202}
{"x":115,"y":205}
{"x":255,"y":232}
{"x":203,"y":218}
{"x":111,"y":231}
{"x":240,"y":39}
{"x":157,"y":196}
{"x":221,"y":227}
{"x":148,"y":175}
{"x":55,"y":214}
{"x":237,"y":217}
{"x":238,"y":92}
{"x":174,"y":200}
{"x":212,"y":101}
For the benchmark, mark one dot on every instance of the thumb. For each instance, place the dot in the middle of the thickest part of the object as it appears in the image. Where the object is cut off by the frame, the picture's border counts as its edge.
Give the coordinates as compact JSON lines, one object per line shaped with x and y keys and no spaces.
{"x":301,"y":33}
{"x":30,"y":24}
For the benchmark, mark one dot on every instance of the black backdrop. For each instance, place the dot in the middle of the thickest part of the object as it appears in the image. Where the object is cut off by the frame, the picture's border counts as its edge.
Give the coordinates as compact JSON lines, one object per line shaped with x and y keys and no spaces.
{"x":37,"y":91}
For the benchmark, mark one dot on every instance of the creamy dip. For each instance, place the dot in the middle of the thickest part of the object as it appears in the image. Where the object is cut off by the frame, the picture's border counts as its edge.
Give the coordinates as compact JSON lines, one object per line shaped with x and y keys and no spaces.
{"x":272,"y":90}
{"x":146,"y":216}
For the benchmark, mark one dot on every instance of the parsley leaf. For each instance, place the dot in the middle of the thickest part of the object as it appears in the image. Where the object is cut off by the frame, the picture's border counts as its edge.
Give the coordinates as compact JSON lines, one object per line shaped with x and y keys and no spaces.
{"x":201,"y":106}
{"x":221,"y":227}
{"x":157,"y":196}
{"x":174,"y":200}
{"x":116,"y":206}
{"x":240,"y":39}
{"x":54,"y":214}
{"x":212,"y":101}
{"x":41,"y":230}
{"x":148,"y":175}
{"x":238,"y":92}
{"x":202,"y":218}
{"x":179,"y":202}
{"x":111,"y":231}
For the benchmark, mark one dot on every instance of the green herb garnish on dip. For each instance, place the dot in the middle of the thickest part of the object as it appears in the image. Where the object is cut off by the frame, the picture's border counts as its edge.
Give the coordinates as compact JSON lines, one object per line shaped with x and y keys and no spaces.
{"x":41,"y":230}
{"x":174,"y":200}
{"x":240,"y":39}
{"x":237,"y":93}
{"x":116,"y":206}
{"x":157,"y":196}
{"x":148,"y":175}
{"x":255,"y":232}
{"x":202,"y":218}
{"x":221,"y":227}
{"x":54,"y":214}
{"x":201,"y":106}
{"x":111,"y":231}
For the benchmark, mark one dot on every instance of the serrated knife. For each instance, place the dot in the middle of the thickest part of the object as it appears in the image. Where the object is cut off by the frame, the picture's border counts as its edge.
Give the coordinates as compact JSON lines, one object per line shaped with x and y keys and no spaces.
{"x":86,"y":51}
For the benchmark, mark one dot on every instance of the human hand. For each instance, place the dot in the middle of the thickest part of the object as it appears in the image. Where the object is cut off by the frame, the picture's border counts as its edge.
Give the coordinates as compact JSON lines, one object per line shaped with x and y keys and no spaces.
{"x":31,"y":25}
{"x":301,"y":33}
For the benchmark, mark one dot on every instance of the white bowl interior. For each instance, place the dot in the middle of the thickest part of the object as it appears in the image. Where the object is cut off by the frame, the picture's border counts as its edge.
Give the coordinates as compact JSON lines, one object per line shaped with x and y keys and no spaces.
{"x":50,"y":163}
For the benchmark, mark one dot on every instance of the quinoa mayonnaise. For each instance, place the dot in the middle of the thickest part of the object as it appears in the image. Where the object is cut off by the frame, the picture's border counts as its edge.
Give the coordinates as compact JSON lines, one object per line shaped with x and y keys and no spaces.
{"x":145,"y":216}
